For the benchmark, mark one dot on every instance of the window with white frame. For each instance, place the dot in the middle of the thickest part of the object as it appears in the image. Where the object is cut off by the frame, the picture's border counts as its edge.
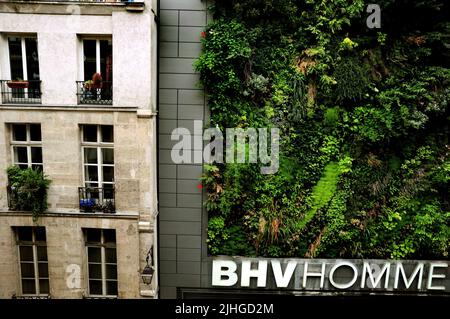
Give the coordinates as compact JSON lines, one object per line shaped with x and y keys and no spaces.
{"x":98,"y":157}
{"x":26,"y":145}
{"x":23,"y":57}
{"x":101,"y":261}
{"x":33,"y":262}
{"x":97,"y":58}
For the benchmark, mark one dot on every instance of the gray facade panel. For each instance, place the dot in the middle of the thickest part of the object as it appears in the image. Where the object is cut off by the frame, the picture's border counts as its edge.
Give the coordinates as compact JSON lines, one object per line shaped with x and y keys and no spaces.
{"x":167,"y":171}
{"x":174,"y":65}
{"x":189,"y":241}
{"x":168,"y":33}
{"x":168,"y":49}
{"x":181,"y":280}
{"x":189,"y":171}
{"x":186,"y":254}
{"x":183,"y":4}
{"x":189,"y":200}
{"x":189,"y":50}
{"x":191,"y":112}
{"x":167,"y":185}
{"x":168,"y":17}
{"x":192,"y":186}
{"x":193,"y":18}
{"x":168,"y":241}
{"x":180,"y":214}
{"x":194,"y":97}
{"x":188,"y":267}
{"x":179,"y":228}
{"x":167,"y":200}
{"x":167,"y":253}
{"x":190,"y":34}
{"x":180,"y":81}
{"x":167,"y":96}
{"x":168,"y":267}
{"x":167,"y":111}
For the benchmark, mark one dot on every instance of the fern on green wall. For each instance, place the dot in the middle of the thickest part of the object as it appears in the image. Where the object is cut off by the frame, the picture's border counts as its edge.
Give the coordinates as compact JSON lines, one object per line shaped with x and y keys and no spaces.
{"x":323,"y":192}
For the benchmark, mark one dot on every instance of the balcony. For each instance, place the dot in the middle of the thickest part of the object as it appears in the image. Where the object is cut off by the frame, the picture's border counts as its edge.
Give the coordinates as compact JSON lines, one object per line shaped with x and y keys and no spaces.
{"x":98,"y":94}
{"x":21,"y":92}
{"x":95,"y":199}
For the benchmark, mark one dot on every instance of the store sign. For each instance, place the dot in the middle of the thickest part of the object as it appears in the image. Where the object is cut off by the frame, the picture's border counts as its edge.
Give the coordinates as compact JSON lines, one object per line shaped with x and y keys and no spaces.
{"x":332,"y":274}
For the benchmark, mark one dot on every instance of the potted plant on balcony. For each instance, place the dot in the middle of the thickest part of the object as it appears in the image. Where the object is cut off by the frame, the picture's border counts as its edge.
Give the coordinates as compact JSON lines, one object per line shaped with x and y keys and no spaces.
{"x":28,"y":190}
{"x":17,"y":84}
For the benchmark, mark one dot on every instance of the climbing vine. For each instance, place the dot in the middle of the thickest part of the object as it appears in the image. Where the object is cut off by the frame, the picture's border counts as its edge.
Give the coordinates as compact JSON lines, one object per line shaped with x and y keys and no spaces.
{"x":364,"y":128}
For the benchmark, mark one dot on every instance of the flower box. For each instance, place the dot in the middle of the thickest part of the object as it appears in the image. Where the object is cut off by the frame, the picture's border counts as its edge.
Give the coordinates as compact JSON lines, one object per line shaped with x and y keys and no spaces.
{"x":17,"y":84}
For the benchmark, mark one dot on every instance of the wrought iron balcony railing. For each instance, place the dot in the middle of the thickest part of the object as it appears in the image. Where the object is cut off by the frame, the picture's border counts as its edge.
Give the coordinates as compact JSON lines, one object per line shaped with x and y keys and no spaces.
{"x":21,"y":92}
{"x":89,"y":93}
{"x":96,"y":199}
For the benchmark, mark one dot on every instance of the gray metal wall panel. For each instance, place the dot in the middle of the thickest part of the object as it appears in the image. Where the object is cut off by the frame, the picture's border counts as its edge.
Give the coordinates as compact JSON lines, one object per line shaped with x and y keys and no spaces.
{"x":181,"y":101}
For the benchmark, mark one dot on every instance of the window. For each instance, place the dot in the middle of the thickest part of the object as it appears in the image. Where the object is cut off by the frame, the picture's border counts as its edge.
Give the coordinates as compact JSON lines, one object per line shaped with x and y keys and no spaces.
{"x":96,"y":88}
{"x":33,"y":262}
{"x":97,"y":59}
{"x":98,"y":158}
{"x":26,"y":145}
{"x":102,"y":261}
{"x":23,"y":57}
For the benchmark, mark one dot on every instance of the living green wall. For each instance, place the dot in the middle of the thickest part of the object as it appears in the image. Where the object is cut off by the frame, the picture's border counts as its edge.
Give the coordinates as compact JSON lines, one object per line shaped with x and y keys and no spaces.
{"x":364,"y":128}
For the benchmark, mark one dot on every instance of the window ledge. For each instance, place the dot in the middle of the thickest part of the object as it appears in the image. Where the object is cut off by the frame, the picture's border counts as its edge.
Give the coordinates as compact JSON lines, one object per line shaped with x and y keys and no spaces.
{"x":73,"y":213}
{"x":60,"y":7}
{"x":91,"y":108}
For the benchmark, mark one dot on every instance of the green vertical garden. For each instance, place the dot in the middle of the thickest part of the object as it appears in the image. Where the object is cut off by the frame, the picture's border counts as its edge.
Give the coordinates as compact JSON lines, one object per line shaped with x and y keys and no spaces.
{"x":364,"y":128}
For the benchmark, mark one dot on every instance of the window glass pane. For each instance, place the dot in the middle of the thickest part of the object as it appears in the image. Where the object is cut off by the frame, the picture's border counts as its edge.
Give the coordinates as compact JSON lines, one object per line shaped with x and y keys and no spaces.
{"x":111,"y":288}
{"x":95,"y":271}
{"x":39,"y":234}
{"x":28,"y":286}
{"x":90,"y":155}
{"x":44,"y":286}
{"x":109,"y":236}
{"x":108,"y":174}
{"x":111,"y":272}
{"x":108,"y":191}
{"x":43,"y":270}
{"x":107,"y":133}
{"x":108,"y":155}
{"x":19,"y":132}
{"x":93,"y":235}
{"x":94,"y":255}
{"x":36,"y":155}
{"x":20,"y":154}
{"x":35,"y":132}
{"x":15,"y":58}
{"x":110,"y":255}
{"x":89,"y":47}
{"x":91,"y":173}
{"x":32,"y":58}
{"x":27,"y":270}
{"x":42,"y":253}
{"x":95,"y":287}
{"x":25,"y":233}
{"x":90,"y":133}
{"x":106,"y":60}
{"x":26,"y":253}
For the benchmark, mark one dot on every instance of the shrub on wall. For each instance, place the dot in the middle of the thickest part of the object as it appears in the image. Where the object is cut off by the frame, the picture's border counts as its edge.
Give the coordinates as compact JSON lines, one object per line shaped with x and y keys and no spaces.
{"x":28,"y":190}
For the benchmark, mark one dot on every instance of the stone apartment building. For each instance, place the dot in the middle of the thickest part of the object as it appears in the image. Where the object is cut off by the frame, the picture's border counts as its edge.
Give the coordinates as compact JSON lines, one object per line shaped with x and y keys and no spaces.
{"x":78,"y":99}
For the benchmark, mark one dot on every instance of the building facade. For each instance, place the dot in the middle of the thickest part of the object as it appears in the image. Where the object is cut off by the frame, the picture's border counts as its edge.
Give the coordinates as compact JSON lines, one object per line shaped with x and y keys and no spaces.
{"x":78,"y":100}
